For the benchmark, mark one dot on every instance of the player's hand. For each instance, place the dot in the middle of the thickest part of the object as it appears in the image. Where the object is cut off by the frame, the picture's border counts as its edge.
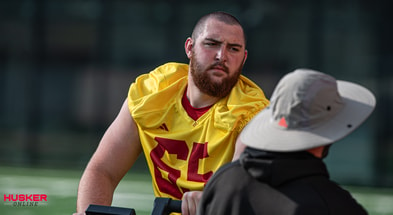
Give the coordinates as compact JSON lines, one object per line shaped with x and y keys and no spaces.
{"x":190,"y":202}
{"x":81,"y":213}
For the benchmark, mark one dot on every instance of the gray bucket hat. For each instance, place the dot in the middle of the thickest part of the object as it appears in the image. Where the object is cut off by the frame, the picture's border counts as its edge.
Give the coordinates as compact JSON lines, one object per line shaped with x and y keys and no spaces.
{"x":308,"y":109}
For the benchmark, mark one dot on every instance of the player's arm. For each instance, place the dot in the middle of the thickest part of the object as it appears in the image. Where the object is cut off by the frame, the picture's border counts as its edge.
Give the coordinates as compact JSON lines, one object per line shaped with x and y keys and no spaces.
{"x":118,"y":149}
{"x":239,"y":148}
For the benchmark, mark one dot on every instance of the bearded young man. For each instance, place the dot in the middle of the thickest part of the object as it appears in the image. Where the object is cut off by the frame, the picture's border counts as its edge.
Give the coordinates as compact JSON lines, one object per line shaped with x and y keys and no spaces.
{"x":184,"y":118}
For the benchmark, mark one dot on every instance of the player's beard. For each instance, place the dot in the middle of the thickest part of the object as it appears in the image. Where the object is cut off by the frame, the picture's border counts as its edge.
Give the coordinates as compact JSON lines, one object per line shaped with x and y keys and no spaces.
{"x":208,"y":86}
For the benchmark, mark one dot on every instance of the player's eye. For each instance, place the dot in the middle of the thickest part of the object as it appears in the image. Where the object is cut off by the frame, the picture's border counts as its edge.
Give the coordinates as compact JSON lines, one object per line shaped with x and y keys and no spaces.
{"x":235,"y":49}
{"x":210,"y":43}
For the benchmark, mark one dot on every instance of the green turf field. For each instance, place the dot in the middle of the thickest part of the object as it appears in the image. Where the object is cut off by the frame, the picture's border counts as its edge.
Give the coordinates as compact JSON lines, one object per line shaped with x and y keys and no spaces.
{"x":134,"y":191}
{"x":60,"y":186}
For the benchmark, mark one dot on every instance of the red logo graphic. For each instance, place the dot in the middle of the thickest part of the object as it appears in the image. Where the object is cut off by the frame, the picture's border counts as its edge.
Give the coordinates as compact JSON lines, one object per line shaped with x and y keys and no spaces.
{"x":19,"y":200}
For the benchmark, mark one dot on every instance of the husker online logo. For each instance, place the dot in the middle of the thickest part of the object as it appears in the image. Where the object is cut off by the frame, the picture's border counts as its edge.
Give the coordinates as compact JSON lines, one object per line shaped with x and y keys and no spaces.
{"x":24,"y":199}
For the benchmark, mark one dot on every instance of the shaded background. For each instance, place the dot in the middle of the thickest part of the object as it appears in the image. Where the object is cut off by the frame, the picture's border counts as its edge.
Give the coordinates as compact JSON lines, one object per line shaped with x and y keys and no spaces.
{"x":66,"y":65}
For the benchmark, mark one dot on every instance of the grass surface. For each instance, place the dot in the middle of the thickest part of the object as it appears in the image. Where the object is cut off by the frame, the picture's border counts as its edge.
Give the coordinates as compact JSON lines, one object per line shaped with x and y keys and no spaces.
{"x":134,"y":191}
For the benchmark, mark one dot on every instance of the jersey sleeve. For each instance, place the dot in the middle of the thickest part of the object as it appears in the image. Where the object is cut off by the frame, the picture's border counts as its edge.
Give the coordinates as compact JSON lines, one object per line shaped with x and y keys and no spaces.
{"x":149,"y":84}
{"x":244,"y":102}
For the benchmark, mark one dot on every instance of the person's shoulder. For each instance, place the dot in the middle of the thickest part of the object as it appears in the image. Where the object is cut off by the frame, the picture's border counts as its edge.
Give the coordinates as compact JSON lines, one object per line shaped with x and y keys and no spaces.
{"x":337,"y":198}
{"x":249,"y":87}
{"x":172,"y":67}
{"x":169,"y":77}
{"x":226,"y":170}
{"x":168,"y":73}
{"x":231,"y":165}
{"x":247,"y":96}
{"x":161,"y":76}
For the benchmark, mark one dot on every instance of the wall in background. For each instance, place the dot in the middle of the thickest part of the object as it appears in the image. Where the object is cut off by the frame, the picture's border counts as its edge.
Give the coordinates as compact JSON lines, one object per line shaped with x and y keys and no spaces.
{"x":65,"y":68}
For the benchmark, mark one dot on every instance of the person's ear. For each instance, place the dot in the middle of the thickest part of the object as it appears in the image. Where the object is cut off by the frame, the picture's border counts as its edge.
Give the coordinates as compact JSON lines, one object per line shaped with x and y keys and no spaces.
{"x":245,"y":56}
{"x":320,"y":151}
{"x":188,"y":47}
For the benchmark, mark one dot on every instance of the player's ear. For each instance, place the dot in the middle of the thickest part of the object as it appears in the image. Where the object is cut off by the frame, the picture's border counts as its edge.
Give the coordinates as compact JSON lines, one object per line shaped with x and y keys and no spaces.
{"x":245,"y":56}
{"x":188,"y":47}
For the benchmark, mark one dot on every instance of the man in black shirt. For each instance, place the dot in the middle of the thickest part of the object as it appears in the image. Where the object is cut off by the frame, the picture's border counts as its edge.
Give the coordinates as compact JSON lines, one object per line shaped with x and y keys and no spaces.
{"x":281,"y":170}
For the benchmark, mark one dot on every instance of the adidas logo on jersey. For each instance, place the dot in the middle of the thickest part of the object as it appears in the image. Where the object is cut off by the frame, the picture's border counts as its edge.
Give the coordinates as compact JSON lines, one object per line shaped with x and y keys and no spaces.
{"x":164,"y":127}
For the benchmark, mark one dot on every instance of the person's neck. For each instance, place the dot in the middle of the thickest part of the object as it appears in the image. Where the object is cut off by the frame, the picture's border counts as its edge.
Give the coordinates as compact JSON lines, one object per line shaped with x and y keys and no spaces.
{"x":317,"y":151}
{"x":197,"y":98}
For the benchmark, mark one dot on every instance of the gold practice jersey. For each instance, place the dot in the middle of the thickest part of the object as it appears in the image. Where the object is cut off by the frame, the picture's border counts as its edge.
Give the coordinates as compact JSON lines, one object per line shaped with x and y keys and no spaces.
{"x":182,"y":154}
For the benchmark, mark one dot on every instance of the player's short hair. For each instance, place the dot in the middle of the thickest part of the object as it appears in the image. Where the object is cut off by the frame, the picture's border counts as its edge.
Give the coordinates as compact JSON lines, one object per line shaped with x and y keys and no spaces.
{"x":220,"y":16}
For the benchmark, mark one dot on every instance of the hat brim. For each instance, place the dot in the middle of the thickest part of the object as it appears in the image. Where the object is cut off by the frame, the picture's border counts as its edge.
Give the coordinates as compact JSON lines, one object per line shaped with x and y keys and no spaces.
{"x":262,"y":133}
